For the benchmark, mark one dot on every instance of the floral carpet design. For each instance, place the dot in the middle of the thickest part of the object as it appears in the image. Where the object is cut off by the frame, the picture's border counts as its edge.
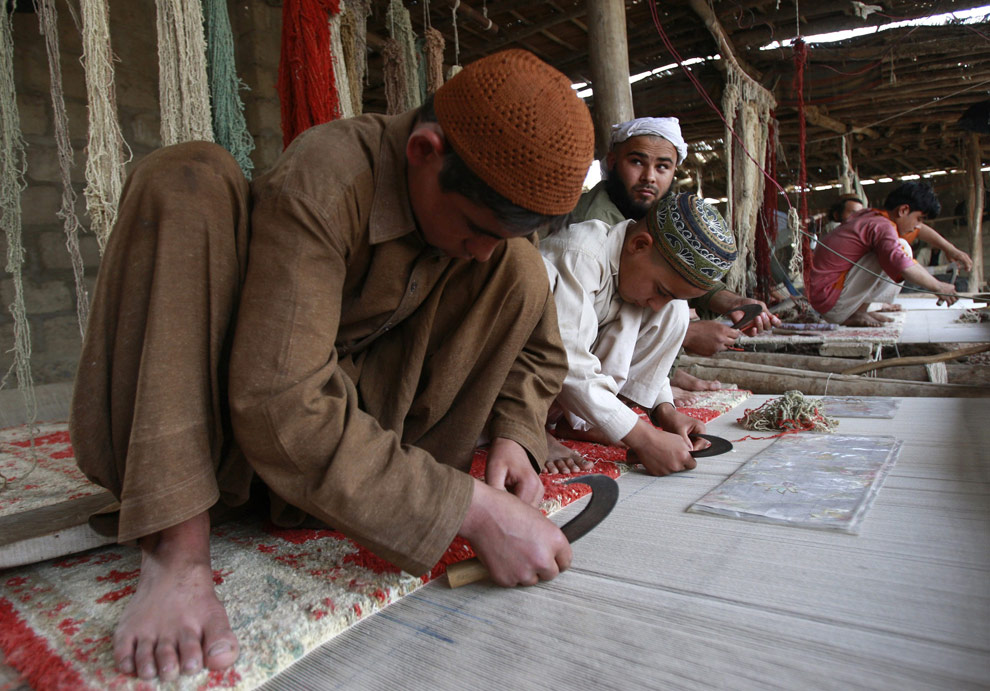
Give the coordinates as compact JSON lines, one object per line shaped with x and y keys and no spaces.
{"x":286,"y":591}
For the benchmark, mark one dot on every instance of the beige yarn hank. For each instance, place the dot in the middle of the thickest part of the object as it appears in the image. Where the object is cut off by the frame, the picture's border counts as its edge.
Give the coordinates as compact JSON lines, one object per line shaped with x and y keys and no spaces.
{"x":13,"y":166}
{"x":400,"y":29}
{"x":747,"y":106}
{"x":354,"y":44}
{"x":434,"y":59}
{"x":106,"y":147}
{"x":341,"y":78}
{"x":183,"y":85}
{"x":48,"y":21}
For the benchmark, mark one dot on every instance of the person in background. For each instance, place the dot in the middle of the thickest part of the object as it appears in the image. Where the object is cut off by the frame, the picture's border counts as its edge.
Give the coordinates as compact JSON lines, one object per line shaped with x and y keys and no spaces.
{"x":639,"y":169}
{"x":866,"y":259}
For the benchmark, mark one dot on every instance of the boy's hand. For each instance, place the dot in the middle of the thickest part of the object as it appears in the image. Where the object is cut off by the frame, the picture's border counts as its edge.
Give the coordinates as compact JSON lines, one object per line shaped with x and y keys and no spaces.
{"x":707,"y":337}
{"x":764,"y":321}
{"x":666,"y":416}
{"x":661,"y":453}
{"x":959,"y":257}
{"x":948,"y":293}
{"x":509,"y":468}
{"x":516,"y":542}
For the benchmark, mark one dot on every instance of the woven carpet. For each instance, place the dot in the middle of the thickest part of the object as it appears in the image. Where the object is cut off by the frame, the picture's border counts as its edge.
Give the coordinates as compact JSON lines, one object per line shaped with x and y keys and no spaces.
{"x":883,"y":335}
{"x":285,"y":591}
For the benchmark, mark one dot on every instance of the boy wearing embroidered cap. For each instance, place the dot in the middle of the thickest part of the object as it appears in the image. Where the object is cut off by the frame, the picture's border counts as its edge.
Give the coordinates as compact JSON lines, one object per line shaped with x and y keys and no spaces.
{"x":393,"y":310}
{"x":638,"y":170}
{"x":613,"y":286}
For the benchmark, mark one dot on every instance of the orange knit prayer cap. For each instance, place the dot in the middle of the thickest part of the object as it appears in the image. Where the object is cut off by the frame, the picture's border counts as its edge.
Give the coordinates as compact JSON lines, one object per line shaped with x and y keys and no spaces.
{"x":520,"y":127}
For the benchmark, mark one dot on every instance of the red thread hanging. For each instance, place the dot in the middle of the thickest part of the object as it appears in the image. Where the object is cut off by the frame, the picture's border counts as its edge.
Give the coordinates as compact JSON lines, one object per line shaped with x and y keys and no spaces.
{"x":800,"y":61}
{"x":307,"y":90}
{"x":766,"y":219}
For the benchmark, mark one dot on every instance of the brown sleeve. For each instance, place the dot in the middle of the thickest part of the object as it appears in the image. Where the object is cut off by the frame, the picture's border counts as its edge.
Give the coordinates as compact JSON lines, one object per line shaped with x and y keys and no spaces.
{"x":296,"y":414}
{"x":536,"y":377}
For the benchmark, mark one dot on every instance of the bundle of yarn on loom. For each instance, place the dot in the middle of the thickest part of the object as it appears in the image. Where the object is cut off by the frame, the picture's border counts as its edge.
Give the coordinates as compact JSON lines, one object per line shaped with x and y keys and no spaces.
{"x":792,"y":412}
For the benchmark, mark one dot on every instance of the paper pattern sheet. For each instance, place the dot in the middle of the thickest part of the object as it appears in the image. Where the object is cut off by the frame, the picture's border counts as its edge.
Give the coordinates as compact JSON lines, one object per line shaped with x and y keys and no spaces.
{"x":861,"y":406}
{"x":825,"y":481}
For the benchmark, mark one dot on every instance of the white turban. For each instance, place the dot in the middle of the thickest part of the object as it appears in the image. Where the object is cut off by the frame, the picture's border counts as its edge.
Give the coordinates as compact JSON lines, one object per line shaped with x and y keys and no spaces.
{"x":668,"y":128}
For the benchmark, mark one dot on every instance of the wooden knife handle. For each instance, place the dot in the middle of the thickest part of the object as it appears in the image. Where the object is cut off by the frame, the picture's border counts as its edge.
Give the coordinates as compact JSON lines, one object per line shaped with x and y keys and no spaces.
{"x":465,"y":572}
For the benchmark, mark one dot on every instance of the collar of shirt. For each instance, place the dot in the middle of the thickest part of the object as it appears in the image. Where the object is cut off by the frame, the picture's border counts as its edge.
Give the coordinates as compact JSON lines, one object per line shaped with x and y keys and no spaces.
{"x":391,"y":212}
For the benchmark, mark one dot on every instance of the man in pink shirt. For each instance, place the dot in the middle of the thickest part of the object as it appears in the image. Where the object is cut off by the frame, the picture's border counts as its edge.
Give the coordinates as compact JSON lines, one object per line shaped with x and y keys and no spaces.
{"x":867,"y":258}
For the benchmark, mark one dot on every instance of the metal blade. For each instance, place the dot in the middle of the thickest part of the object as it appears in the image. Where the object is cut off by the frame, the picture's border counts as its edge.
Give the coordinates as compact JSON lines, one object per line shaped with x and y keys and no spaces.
{"x":604,"y":495}
{"x":750,"y":312}
{"x":718,"y":446}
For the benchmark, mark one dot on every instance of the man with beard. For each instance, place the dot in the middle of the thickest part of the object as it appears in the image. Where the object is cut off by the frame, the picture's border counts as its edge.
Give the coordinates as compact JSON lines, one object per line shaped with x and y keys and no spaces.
{"x":639,"y":169}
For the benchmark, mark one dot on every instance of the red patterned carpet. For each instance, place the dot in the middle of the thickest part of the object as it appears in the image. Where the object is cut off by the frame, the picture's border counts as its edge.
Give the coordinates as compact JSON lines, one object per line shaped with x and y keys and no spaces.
{"x":285,"y":591}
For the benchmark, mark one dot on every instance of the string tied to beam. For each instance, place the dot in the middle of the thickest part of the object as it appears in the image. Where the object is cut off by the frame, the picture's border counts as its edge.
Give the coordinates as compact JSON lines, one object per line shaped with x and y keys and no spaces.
{"x":800,"y":62}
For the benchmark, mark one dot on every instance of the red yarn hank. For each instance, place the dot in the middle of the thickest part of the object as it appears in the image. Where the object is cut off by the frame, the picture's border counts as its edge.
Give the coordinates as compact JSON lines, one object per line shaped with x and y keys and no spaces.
{"x":307,"y":90}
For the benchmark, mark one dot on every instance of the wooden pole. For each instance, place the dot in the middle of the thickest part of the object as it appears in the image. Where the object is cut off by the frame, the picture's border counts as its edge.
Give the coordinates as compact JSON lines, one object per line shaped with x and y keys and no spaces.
{"x":918,"y":359}
{"x":609,"y":56}
{"x":777,"y":380}
{"x":975,"y":208}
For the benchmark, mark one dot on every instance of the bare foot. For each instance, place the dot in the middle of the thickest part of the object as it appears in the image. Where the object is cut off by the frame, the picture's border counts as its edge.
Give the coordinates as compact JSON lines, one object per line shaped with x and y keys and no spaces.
{"x":174,"y":623}
{"x":565,"y":431}
{"x":890,"y":307}
{"x":563,"y":460}
{"x":683,"y":398}
{"x":862,"y":319}
{"x":689,"y":382}
{"x":881,"y":317}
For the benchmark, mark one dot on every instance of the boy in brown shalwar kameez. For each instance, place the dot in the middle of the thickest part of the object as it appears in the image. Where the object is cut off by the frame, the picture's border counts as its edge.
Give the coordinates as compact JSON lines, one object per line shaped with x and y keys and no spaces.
{"x":344,"y":330}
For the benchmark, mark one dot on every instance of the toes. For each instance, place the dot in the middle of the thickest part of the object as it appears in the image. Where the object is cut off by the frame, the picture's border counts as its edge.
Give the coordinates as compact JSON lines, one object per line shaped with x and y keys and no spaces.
{"x":167,"y":660}
{"x":144,"y":659}
{"x":190,"y":653}
{"x":221,"y":646}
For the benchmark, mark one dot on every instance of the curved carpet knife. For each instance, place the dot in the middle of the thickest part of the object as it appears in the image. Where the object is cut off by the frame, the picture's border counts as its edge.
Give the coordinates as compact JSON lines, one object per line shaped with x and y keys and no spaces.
{"x":604,"y":495}
{"x":750,"y":312}
{"x":717,"y":448}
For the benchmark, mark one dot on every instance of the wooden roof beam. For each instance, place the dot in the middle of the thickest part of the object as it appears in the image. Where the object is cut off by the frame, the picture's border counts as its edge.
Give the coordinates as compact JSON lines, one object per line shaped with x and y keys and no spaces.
{"x":815,"y":116}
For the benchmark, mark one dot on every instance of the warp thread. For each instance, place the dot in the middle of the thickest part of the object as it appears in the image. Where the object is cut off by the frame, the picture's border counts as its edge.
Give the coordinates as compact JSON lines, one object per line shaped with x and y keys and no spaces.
{"x":792,"y":413}
{"x":48,"y":25}
{"x":306,"y":86}
{"x":13,"y":166}
{"x":182,"y":82}
{"x":106,"y":145}
{"x":434,"y":59}
{"x":229,"y":125}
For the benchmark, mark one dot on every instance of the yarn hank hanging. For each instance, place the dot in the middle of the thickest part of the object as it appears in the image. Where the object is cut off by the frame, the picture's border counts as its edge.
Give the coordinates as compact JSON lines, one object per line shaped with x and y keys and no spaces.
{"x":434,"y":59}
{"x":182,"y":81}
{"x":48,"y":24}
{"x":800,"y":62}
{"x":766,"y":219}
{"x":229,"y":125}
{"x":354,"y":43}
{"x":306,"y":86}
{"x":108,"y":152}
{"x":400,"y":29}
{"x":395,"y":77}
{"x":13,"y":166}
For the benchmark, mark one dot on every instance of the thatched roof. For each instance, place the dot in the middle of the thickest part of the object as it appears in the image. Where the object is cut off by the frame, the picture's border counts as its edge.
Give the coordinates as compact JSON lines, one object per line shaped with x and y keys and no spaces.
{"x":901,"y":91}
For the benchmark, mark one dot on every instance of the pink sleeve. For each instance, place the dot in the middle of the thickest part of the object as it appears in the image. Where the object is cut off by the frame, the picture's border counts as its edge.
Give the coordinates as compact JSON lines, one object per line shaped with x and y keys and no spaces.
{"x":894,"y":258}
